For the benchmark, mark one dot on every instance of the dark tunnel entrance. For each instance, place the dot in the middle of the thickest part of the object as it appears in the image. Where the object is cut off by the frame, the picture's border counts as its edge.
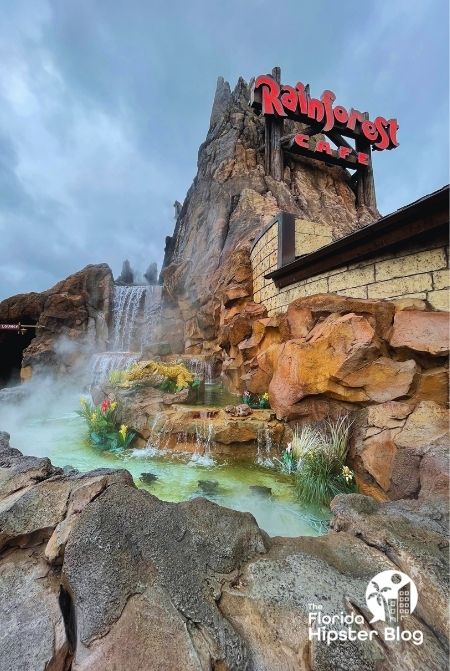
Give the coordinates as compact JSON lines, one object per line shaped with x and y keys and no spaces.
{"x":12,"y":345}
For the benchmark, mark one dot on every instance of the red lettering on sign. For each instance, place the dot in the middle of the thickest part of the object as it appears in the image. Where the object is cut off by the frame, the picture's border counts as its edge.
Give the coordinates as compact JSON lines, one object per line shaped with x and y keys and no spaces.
{"x":289,"y":98}
{"x":393,"y":128}
{"x":323,"y":147}
{"x":296,"y":103}
{"x":270,"y":92}
{"x":340,"y":114}
{"x":343,"y":152}
{"x":328,"y":99}
{"x":362,"y":158}
{"x":381,"y":125}
{"x":353,"y":118}
{"x":316,"y":111}
{"x":302,"y":140}
{"x":369,"y":130}
{"x":302,"y":98}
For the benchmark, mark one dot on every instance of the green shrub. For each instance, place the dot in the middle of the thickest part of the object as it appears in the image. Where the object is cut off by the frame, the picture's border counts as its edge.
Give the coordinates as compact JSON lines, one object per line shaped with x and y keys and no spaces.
{"x":319,"y":455}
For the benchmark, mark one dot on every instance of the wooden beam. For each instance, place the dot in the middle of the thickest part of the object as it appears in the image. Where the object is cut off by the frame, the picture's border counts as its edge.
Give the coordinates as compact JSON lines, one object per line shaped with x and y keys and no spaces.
{"x":338,"y":140}
{"x":333,"y":159}
{"x":286,"y":239}
{"x":276,"y":153}
{"x":365,"y":189}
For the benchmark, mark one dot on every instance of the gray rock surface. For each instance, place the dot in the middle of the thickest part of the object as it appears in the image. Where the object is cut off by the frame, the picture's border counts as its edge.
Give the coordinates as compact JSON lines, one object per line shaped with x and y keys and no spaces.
{"x":96,"y":574}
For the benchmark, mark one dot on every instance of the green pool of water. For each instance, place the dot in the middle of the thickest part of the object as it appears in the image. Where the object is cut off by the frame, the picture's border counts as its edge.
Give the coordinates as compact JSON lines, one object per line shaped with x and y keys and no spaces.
{"x":50,"y":427}
{"x":214,"y":394}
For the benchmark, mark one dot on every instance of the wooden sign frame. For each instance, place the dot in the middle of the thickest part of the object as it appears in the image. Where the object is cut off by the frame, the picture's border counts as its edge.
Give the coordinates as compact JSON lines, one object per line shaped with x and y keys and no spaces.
{"x":333,"y":124}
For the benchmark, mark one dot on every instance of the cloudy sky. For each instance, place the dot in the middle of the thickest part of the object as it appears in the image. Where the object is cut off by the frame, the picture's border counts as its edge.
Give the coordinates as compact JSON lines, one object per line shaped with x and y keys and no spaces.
{"x":103,"y":104}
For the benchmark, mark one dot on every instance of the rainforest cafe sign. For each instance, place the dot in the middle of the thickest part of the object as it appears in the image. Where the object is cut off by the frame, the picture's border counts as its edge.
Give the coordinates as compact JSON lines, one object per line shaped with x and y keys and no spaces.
{"x":322,"y":116}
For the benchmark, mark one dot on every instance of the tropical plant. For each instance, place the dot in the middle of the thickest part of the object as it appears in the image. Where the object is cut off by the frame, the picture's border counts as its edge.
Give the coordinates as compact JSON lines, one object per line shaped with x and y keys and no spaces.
{"x":256,"y":401}
{"x":288,"y":461}
{"x":321,"y":472}
{"x":104,"y":429}
{"x":304,"y":440}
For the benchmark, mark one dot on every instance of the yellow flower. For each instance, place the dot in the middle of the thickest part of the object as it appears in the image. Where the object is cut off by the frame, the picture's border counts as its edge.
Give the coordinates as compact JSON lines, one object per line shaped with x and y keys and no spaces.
{"x":94,"y":416}
{"x":123,"y":431}
{"x":265,"y":396}
{"x":113,"y":405}
{"x":347,"y":474}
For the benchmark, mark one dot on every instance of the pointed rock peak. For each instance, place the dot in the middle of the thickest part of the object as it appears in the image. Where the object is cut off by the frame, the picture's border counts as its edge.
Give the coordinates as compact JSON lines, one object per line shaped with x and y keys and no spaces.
{"x":241,"y":93}
{"x":221,"y":101}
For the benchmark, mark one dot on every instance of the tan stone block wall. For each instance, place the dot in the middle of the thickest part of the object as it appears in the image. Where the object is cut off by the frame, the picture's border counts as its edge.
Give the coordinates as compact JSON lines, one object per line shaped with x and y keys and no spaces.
{"x":422,"y":273}
{"x":309,"y":236}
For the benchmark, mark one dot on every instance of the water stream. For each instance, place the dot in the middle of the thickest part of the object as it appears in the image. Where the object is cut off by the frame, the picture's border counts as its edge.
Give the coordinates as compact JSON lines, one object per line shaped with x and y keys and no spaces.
{"x":43,"y":422}
{"x":48,"y":426}
{"x":135,"y":313}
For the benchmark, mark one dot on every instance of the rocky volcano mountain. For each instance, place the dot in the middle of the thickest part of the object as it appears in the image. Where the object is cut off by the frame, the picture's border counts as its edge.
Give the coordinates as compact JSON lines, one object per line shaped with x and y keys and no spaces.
{"x":229,"y":203}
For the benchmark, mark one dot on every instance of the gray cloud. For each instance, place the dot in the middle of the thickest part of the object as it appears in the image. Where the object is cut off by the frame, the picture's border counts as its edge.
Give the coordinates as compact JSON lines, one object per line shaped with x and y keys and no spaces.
{"x":103,"y":105}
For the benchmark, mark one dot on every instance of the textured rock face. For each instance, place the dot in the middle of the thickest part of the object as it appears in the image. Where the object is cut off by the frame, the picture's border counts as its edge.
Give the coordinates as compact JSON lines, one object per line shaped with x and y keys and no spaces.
{"x":207,"y":264}
{"x":421,"y":331}
{"x":405,"y":448}
{"x":95,"y":574}
{"x":76,"y":310}
{"x":231,"y":431}
{"x":330,"y":355}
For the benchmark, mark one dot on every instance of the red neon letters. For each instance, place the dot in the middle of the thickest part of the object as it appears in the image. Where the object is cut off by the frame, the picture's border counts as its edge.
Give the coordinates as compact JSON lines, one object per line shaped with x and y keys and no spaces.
{"x":323,"y":147}
{"x":281,"y":100}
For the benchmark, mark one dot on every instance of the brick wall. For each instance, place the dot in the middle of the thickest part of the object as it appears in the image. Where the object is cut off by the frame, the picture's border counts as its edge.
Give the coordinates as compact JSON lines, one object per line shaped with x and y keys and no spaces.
{"x":413,"y":273}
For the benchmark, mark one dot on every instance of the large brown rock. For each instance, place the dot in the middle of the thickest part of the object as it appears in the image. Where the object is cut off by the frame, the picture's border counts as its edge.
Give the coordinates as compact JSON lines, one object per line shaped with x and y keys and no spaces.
{"x":333,"y":350}
{"x":169,"y":561}
{"x":33,"y":635}
{"x":416,"y":534}
{"x":379,"y":313}
{"x":421,"y":331}
{"x":271,"y":603}
{"x":75,"y":310}
{"x":384,"y":379}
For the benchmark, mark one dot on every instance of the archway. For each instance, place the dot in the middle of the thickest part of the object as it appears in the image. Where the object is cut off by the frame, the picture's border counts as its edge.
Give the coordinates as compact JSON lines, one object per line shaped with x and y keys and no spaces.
{"x":12,"y":345}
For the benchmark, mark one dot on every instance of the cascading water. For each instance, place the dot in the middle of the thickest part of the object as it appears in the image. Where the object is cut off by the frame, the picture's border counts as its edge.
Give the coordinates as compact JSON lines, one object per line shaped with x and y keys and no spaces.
{"x":102,"y":364}
{"x":135,"y":313}
{"x":202,"y":368}
{"x":264,"y":447}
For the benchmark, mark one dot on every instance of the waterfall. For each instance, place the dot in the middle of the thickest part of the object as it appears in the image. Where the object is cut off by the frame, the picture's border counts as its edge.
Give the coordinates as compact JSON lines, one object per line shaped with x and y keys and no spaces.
{"x":202,"y":368}
{"x":135,"y":313}
{"x":102,"y":364}
{"x":264,"y":446}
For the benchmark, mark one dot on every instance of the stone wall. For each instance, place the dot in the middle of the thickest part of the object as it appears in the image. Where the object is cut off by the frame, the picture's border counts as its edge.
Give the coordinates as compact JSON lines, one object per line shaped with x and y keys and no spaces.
{"x":412,"y":273}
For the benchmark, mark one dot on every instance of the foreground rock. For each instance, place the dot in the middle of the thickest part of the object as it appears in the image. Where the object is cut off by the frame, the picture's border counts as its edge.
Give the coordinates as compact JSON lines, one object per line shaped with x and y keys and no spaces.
{"x":96,"y":574}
